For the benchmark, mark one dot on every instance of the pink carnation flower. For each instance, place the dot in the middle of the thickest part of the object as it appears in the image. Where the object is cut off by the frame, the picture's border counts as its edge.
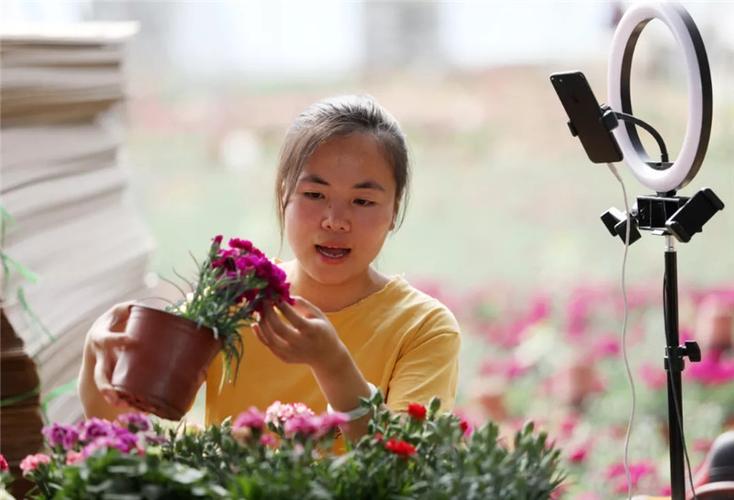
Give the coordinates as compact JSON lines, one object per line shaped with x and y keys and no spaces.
{"x":252,"y":419}
{"x":31,"y":462}
{"x":331,"y":421}
{"x":279,"y":413}
{"x":74,"y":457}
{"x":303,"y":426}
{"x":268,"y":440}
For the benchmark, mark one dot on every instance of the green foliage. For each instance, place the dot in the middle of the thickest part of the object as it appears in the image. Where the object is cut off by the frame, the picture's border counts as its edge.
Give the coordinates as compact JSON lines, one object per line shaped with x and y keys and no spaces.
{"x":438,"y":459}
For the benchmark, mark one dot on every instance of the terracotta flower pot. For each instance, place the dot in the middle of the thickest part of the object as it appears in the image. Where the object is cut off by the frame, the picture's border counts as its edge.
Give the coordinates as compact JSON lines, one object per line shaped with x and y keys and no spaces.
{"x":165,"y":364}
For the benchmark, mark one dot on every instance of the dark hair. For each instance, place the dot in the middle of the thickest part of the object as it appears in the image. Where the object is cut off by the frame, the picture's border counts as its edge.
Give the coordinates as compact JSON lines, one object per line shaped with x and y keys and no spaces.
{"x":340,"y":116}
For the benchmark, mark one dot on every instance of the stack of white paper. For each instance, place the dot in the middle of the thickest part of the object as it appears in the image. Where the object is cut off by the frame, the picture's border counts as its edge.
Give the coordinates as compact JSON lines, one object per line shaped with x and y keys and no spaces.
{"x":62,"y":181}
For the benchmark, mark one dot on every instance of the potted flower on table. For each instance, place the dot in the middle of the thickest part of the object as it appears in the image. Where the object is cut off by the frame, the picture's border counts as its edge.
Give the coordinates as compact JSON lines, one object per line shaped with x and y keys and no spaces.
{"x":165,"y":362}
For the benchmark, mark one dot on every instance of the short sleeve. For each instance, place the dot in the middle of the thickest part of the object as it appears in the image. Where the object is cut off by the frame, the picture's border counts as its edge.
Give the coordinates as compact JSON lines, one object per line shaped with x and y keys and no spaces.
{"x":429,"y":367}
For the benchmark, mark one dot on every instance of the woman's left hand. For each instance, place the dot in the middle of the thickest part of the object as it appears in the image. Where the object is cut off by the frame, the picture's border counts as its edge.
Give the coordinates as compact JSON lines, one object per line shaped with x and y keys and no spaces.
{"x":310,"y":337}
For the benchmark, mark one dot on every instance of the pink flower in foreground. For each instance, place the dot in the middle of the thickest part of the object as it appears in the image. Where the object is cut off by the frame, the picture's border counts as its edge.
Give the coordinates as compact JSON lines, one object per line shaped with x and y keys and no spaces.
{"x":74,"y":457}
{"x":252,"y":419}
{"x":331,"y":421}
{"x":3,"y":464}
{"x":466,"y":427}
{"x":31,"y":462}
{"x":304,"y":426}
{"x":279,"y":413}
{"x":65,"y":436}
{"x":268,"y":440}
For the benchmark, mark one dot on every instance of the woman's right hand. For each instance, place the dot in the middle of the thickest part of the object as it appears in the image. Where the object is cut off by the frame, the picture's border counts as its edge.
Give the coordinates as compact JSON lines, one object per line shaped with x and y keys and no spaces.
{"x":101,"y":350}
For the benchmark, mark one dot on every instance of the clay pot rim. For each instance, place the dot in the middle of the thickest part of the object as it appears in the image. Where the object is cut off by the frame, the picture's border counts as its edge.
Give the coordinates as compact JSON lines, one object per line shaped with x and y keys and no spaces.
{"x":174,"y":316}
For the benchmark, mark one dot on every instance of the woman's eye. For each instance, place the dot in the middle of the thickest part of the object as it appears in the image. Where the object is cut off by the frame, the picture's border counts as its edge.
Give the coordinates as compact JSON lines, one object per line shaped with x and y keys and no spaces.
{"x":313,"y":195}
{"x":364,"y":203}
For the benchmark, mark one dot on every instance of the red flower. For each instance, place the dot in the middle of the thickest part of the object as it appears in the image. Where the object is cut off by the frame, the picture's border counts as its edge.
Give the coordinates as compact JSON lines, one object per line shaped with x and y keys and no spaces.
{"x":465,"y":427}
{"x":3,"y":464}
{"x":401,"y":448}
{"x":417,"y":411}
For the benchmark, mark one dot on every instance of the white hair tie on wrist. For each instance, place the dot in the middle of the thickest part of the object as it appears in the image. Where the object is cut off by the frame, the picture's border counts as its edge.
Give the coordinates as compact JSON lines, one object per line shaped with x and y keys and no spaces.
{"x":359,"y":411}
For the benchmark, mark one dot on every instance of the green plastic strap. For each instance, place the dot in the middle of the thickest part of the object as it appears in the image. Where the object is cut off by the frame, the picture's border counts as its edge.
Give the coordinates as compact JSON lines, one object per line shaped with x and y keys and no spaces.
{"x":10,"y":401}
{"x":22,"y":270}
{"x":26,"y":308}
{"x":55,"y":393}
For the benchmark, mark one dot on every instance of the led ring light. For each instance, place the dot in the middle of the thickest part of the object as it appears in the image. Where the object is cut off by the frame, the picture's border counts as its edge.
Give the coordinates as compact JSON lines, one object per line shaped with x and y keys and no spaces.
{"x":698,"y":128}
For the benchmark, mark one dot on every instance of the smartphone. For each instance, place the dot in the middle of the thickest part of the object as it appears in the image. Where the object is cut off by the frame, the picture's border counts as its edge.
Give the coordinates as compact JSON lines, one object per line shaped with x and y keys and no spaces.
{"x":585,"y":116}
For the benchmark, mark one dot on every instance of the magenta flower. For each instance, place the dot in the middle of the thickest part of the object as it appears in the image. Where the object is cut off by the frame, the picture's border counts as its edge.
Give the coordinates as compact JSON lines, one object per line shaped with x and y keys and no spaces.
{"x":4,"y":467}
{"x":125,"y":443}
{"x":65,"y":436}
{"x":252,"y":419}
{"x":712,"y":370}
{"x":95,"y":428}
{"x":31,"y":462}
{"x":134,"y":421}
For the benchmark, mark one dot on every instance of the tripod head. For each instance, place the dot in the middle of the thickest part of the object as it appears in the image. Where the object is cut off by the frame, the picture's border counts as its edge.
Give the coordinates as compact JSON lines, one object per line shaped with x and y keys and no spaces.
{"x":665,"y":214}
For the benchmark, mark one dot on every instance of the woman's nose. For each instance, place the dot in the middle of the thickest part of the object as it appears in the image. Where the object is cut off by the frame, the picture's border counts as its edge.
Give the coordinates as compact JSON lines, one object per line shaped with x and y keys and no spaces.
{"x":335,"y":219}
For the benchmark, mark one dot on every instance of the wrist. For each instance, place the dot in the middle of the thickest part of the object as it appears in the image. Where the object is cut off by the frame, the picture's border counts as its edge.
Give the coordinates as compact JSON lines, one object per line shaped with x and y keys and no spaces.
{"x":334,"y":364}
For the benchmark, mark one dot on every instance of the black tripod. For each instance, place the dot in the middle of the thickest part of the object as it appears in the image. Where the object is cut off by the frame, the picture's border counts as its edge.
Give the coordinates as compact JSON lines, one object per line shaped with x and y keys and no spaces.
{"x":678,"y":218}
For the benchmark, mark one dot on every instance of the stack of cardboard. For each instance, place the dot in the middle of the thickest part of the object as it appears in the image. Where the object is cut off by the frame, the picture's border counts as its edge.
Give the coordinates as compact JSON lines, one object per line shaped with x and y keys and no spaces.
{"x":63,"y":181}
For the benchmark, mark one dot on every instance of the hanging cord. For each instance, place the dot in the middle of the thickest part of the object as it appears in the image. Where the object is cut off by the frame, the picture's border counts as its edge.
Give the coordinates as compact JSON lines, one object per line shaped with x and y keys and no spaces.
{"x":656,"y":135}
{"x":630,"y":379}
{"x":678,"y":415}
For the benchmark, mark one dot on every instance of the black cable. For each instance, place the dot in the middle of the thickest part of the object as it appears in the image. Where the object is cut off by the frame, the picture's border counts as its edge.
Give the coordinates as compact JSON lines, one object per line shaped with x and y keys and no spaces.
{"x":678,"y":416}
{"x":656,"y":135}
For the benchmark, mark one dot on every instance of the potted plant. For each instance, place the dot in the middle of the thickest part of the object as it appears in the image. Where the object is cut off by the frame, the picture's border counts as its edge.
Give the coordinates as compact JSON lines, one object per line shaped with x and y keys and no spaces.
{"x":165,"y":363}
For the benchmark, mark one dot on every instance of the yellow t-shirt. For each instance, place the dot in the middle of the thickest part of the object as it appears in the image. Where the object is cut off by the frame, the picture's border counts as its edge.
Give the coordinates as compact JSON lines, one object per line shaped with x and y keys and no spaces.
{"x":403,"y":341}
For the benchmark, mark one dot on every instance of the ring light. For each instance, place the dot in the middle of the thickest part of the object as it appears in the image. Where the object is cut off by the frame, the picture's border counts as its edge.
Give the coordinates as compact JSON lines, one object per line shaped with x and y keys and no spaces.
{"x":662,"y":178}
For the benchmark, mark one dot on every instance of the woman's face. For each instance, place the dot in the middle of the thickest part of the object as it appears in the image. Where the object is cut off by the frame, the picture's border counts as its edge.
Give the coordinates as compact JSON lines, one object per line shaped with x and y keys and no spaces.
{"x":342,"y":208}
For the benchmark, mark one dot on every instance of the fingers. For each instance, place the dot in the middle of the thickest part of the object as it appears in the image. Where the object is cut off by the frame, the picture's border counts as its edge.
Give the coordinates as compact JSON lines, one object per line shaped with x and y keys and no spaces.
{"x":102,"y":373}
{"x":269,"y":338}
{"x":280,"y":328}
{"x":118,"y":314}
{"x":309,"y":310}
{"x":292,"y":315}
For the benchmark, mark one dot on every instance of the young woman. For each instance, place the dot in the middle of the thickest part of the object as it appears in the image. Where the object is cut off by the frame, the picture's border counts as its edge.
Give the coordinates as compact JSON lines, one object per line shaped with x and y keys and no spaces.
{"x":341,"y":187}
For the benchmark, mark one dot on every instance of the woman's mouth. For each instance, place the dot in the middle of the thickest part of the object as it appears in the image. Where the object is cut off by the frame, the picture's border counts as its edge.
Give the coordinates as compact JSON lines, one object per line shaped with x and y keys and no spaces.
{"x":333,"y":254}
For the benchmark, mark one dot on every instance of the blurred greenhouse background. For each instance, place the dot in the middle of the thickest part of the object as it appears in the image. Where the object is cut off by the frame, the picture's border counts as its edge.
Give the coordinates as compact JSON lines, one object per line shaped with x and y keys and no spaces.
{"x":503,"y":222}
